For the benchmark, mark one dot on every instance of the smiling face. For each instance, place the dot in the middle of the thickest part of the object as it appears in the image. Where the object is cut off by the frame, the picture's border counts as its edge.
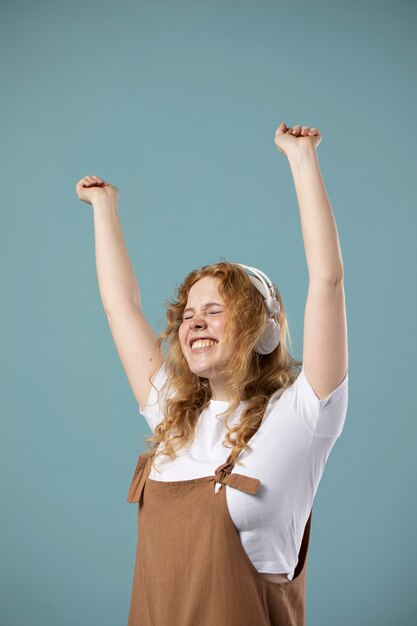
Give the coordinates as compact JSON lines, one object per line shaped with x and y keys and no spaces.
{"x":205,"y":316}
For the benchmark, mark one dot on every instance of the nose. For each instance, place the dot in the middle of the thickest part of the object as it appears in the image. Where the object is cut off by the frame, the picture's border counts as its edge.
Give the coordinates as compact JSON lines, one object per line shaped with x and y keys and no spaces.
{"x":198,"y":323}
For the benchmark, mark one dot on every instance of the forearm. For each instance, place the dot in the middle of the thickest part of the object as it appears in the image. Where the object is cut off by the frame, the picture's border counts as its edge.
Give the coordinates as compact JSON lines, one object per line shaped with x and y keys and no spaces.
{"x":318,"y":225}
{"x":116,"y":278}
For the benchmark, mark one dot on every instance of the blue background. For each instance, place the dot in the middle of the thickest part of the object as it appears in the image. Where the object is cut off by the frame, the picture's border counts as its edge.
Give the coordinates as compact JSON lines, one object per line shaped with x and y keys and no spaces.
{"x":177,"y":103}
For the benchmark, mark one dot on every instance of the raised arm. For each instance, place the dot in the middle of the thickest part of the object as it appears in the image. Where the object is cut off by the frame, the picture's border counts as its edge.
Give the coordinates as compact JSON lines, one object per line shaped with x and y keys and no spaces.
{"x":325,"y":349}
{"x":133,"y":336}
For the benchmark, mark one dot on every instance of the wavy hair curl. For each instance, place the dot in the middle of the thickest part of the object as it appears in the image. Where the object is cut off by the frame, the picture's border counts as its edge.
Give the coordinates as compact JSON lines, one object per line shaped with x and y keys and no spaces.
{"x":248,"y":376}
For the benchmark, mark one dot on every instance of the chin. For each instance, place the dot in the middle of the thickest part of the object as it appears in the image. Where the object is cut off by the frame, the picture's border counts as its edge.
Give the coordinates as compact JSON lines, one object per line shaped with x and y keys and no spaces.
{"x":202,"y":372}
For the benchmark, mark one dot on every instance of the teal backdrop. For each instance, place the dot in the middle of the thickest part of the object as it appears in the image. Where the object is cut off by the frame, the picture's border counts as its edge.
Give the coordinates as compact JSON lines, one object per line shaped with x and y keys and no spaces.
{"x":177,"y":103}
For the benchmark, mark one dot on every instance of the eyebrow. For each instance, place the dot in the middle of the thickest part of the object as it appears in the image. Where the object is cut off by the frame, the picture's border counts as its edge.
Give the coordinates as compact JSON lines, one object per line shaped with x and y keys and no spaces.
{"x":190,"y":308}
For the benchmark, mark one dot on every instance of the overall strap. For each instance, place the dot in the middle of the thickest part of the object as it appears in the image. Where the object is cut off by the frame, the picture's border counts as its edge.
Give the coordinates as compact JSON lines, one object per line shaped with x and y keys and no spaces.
{"x":140,"y":475}
{"x":245,"y":483}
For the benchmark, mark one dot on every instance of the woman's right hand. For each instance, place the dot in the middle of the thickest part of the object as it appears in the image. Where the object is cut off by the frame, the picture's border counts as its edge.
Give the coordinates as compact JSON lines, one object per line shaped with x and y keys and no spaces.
{"x":92,"y":189}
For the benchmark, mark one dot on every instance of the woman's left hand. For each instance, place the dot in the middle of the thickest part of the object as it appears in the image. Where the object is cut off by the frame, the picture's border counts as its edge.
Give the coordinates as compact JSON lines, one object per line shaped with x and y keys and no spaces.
{"x":288,"y":140}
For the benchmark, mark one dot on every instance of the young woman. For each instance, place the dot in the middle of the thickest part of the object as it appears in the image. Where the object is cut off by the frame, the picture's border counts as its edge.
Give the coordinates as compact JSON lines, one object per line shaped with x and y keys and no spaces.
{"x":224,"y":541}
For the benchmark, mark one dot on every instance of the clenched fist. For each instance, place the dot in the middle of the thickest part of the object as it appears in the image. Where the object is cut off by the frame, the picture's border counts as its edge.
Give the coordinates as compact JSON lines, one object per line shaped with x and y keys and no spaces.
{"x":289,"y":139}
{"x":92,"y":189}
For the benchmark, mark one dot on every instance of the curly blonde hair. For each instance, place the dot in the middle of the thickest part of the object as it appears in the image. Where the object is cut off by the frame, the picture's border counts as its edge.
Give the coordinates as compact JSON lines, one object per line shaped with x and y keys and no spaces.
{"x":248,"y":376}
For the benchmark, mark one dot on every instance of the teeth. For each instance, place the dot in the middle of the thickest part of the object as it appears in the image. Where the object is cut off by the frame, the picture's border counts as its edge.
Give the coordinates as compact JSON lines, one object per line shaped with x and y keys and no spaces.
{"x":202,"y":343}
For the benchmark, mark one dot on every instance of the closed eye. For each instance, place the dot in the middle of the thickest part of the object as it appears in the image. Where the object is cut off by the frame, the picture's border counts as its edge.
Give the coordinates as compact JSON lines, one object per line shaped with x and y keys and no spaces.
{"x":211,"y":313}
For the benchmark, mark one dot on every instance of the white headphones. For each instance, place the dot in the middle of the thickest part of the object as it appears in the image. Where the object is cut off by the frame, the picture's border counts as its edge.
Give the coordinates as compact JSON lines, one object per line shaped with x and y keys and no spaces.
{"x":270,"y":338}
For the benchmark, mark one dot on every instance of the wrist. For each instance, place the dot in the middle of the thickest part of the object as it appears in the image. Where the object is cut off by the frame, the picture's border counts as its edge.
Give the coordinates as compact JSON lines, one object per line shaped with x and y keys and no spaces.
{"x":104,"y":204}
{"x":302,"y":153}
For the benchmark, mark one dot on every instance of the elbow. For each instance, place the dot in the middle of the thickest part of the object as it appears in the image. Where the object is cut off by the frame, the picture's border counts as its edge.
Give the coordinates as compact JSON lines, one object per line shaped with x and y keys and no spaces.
{"x":333,"y":279}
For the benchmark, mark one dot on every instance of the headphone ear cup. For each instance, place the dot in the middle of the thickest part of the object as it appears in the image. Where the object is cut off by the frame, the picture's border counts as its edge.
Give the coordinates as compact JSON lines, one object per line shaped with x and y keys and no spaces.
{"x":270,"y":338}
{"x":272,"y":305}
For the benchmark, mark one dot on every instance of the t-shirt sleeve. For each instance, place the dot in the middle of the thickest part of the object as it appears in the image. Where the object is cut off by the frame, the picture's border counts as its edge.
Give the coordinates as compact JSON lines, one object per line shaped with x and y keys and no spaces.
{"x":326,"y":417}
{"x":153,"y":412}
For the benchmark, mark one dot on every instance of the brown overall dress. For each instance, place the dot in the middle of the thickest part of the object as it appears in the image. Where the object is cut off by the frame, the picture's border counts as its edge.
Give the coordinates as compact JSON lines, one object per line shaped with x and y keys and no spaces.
{"x":191,"y":568}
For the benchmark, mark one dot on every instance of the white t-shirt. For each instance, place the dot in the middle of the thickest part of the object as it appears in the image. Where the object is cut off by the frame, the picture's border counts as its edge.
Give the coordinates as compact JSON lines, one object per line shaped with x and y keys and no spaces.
{"x":288,"y":455}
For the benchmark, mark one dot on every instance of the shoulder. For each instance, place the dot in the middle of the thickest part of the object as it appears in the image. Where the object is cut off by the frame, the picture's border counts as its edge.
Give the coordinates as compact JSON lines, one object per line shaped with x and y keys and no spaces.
{"x":322,"y":417}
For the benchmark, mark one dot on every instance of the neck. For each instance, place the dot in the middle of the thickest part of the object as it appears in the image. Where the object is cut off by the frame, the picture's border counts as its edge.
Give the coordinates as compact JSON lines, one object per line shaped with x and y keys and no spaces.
{"x":219,"y":393}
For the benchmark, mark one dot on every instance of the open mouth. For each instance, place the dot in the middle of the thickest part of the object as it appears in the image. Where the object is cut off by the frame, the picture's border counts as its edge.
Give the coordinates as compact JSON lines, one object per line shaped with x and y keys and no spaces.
{"x":203,"y":346}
